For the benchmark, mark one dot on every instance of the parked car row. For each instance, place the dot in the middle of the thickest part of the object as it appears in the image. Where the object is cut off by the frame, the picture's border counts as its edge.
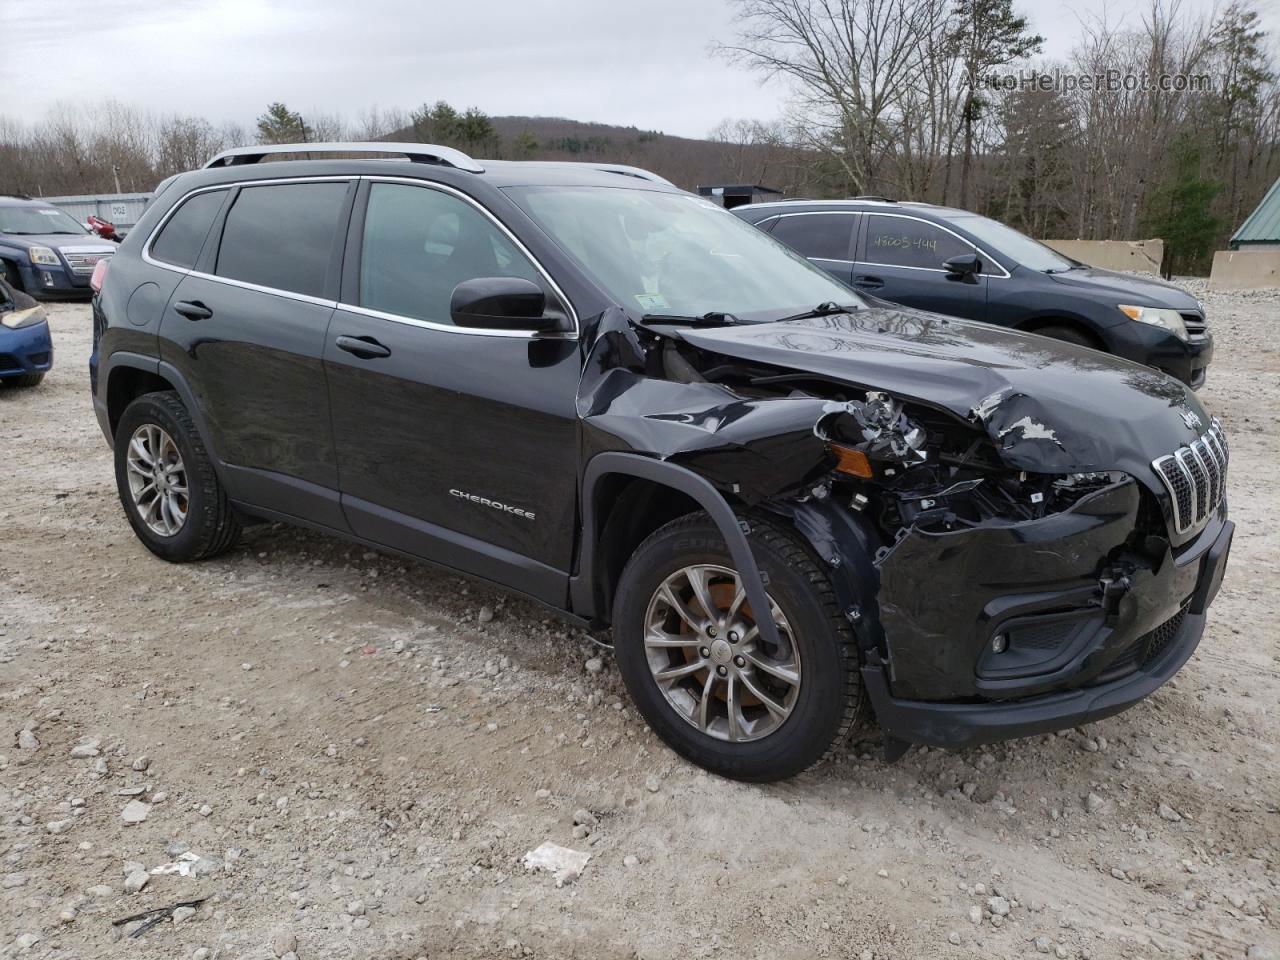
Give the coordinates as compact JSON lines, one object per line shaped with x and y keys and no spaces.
{"x":790,"y":501}
{"x":45,"y":252}
{"x":26,"y":349}
{"x":964,"y":265}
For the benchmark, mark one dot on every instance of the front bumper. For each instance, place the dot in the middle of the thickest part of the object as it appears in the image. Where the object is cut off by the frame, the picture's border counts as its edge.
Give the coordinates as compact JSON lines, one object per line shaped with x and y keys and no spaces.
{"x":48,"y":282}
{"x":1185,"y":360}
{"x":1117,"y":686}
{"x":26,"y":350}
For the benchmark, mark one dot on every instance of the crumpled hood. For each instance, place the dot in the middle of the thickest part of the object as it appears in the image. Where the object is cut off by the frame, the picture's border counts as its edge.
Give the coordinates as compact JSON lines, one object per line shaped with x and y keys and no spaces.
{"x":1048,"y":406}
{"x":1128,"y":288}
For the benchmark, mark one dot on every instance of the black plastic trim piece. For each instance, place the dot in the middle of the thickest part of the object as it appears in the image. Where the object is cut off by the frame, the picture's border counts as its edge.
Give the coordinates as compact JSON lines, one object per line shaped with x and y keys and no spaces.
{"x":582,"y":586}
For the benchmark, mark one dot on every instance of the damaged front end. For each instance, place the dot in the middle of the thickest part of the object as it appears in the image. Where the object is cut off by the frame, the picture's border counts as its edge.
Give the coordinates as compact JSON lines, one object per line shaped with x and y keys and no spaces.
{"x":987,"y":555}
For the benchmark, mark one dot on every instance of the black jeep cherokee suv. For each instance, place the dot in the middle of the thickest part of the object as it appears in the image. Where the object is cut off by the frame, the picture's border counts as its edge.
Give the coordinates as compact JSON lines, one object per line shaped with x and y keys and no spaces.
{"x":583,"y":384}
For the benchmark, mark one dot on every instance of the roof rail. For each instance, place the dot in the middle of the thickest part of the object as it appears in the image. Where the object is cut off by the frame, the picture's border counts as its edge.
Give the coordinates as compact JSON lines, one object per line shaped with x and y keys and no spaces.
{"x":417,"y":152}
{"x":878,"y":199}
{"x":638,"y":172}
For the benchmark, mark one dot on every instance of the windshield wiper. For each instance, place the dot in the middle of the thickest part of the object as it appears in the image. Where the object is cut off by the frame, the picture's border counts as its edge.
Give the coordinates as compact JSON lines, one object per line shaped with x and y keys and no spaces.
{"x":713,"y":318}
{"x":826,"y":309}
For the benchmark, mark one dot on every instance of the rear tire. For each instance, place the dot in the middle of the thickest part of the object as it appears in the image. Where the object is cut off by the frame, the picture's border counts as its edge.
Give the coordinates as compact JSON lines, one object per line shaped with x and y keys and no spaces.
{"x":795,"y":724}
{"x":157,"y":429}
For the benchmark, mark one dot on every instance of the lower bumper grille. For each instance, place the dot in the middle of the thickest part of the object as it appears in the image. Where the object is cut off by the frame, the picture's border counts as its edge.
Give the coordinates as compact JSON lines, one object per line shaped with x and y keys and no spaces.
{"x":1146,"y":648}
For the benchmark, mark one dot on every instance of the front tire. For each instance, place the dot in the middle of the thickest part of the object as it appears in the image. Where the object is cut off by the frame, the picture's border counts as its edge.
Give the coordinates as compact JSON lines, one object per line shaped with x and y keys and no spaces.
{"x":688,"y":650}
{"x":167,"y":483}
{"x":27,"y":380}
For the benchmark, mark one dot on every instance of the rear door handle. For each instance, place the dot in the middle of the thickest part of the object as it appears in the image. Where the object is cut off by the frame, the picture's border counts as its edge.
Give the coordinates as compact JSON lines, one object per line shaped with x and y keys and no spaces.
{"x":868,"y":283}
{"x":366,"y":348}
{"x":193,"y":310}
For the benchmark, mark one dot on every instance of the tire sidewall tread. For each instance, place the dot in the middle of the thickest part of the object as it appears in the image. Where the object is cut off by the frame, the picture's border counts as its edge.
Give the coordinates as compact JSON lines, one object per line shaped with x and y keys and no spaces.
{"x":211,"y":526}
{"x":831,"y":694}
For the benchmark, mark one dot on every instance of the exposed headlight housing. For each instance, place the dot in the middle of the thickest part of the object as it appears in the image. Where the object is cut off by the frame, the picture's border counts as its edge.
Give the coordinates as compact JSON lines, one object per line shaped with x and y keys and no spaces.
{"x":1171,"y":320}
{"x":23,"y":318}
{"x":44,"y":256}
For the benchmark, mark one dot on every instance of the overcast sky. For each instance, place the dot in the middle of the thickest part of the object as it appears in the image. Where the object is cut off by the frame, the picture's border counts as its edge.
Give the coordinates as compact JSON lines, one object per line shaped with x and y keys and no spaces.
{"x":645,"y":62}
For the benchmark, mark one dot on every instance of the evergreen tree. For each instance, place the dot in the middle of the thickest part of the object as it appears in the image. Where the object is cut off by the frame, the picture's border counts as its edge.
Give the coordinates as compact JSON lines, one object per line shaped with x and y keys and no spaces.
{"x":281,"y":125}
{"x":1180,"y":213}
{"x":984,"y":34}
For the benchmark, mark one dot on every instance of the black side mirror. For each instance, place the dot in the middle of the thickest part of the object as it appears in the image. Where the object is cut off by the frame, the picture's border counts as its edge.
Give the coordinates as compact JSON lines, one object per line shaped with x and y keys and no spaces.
{"x":502,"y":303}
{"x":966,"y":266}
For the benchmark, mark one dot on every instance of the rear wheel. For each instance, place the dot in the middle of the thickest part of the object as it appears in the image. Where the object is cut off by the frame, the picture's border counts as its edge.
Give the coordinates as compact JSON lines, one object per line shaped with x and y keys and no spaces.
{"x":691,"y":653}
{"x":167,"y":484}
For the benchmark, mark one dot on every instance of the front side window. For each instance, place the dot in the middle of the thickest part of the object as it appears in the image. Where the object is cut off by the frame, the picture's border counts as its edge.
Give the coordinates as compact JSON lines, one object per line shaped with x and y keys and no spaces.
{"x":282,"y":236}
{"x":902,"y":242}
{"x":1008,"y":241}
{"x":824,"y":236}
{"x":670,"y":254}
{"x":420,"y":243}
{"x":34,"y":221}
{"x":182,"y":237}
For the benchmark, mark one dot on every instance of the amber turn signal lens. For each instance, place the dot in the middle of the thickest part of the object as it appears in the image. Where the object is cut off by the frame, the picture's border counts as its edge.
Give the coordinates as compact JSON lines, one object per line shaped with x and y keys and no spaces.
{"x":852,"y":462}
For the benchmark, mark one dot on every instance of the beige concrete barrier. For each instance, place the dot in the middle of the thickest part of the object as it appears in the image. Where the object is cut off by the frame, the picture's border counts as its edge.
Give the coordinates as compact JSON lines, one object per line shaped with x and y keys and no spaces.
{"x":1245,"y":269}
{"x":1141,"y":256}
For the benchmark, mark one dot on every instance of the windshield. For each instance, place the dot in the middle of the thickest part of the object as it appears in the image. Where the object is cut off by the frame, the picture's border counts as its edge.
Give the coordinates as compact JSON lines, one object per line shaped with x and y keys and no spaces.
{"x":38,"y":220}
{"x":671,"y":254}
{"x":1018,"y":246}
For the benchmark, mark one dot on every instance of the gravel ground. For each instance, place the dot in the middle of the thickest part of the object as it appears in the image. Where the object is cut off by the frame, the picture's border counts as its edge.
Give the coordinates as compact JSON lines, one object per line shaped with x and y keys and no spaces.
{"x":354,"y":754}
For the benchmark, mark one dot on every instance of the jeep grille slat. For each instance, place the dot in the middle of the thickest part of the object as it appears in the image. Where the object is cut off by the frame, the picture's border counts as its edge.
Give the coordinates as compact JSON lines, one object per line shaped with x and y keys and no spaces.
{"x":1196,"y":478}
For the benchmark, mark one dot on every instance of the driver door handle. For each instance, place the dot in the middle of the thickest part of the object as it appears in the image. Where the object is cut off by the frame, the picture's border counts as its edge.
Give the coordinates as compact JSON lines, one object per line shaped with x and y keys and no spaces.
{"x":868,"y":283}
{"x":366,"y":348}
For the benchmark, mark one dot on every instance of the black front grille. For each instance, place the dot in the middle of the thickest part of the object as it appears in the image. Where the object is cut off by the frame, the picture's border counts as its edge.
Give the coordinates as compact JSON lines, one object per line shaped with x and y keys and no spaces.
{"x":1195,"y":324}
{"x":1162,"y":636}
{"x":9,"y":362}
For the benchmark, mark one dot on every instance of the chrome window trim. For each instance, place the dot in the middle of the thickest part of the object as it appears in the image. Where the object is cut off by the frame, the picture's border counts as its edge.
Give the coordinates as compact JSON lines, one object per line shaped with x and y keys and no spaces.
{"x":475,"y":331}
{"x":987,"y":258}
{"x":155,"y":231}
{"x":355,"y":308}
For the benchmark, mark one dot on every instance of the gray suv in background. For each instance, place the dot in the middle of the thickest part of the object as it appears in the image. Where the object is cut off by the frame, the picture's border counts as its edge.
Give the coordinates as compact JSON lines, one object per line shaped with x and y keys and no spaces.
{"x":46,"y":252}
{"x":961,"y":264}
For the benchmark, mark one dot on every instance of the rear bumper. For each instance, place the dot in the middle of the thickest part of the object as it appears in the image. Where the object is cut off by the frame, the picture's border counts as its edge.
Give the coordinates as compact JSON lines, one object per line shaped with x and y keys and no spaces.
{"x":970,"y":724}
{"x":25,"y":351}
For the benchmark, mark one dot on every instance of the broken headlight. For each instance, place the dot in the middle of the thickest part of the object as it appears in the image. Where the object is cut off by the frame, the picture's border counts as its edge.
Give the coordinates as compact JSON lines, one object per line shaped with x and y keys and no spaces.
{"x":874,"y":436}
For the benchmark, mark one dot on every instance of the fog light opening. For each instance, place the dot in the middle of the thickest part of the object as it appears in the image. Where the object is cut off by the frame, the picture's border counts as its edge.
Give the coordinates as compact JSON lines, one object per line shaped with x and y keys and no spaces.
{"x":999,"y":643}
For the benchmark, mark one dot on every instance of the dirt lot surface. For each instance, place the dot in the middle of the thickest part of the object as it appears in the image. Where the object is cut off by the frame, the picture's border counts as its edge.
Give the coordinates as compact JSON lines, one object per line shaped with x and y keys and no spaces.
{"x":358,"y":752}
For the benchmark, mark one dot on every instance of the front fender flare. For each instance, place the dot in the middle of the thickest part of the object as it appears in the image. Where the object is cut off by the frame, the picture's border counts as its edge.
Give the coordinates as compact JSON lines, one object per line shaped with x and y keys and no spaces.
{"x":582,"y":584}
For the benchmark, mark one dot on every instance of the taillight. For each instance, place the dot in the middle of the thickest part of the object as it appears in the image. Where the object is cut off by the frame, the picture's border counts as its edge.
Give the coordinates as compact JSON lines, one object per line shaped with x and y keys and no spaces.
{"x":99,"y":274}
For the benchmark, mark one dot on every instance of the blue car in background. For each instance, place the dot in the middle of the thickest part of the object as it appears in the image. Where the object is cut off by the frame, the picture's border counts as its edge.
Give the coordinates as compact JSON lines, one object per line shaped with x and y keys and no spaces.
{"x":26,"y":349}
{"x":46,"y":252}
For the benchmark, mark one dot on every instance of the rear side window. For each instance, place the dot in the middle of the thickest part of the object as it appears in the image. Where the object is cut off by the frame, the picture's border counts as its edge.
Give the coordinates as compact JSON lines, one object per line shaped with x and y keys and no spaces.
{"x":282,"y":236}
{"x":183,"y":234}
{"x":420,"y":243}
{"x":824,"y":236}
{"x":899,"y":242}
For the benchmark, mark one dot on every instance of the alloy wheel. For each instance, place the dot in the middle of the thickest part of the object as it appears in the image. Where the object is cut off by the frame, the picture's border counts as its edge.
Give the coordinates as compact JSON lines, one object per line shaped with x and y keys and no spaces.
{"x":157,"y":480}
{"x":707,"y":656}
